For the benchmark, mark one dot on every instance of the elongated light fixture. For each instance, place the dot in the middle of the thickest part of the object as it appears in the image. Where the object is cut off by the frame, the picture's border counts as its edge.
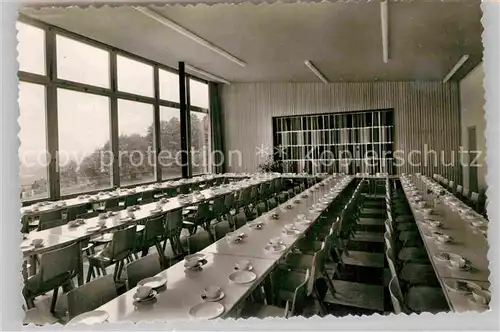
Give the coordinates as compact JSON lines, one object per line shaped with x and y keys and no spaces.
{"x":183,"y":31}
{"x":207,"y":74}
{"x":455,"y":68}
{"x":384,"y":18}
{"x":316,"y":71}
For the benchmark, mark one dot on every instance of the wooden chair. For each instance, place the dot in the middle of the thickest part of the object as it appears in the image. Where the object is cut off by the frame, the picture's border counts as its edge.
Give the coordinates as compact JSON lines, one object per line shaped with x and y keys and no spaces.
{"x":240,"y":220}
{"x":119,"y":249}
{"x":293,"y":306}
{"x":51,"y":224}
{"x":173,"y":228}
{"x":54,"y":217}
{"x":418,"y":299}
{"x":91,"y":296}
{"x":57,"y":268}
{"x":144,"y":267}
{"x":153,"y":235}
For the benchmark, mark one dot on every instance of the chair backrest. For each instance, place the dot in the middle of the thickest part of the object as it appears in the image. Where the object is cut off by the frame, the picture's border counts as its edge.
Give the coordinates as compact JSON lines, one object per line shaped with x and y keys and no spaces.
{"x":59,"y":262}
{"x":261,"y":208}
{"x":154,"y":229}
{"x":240,"y":220}
{"x":148,"y":196}
{"x":272,"y":203}
{"x":300,"y":295}
{"x":113,"y":203}
{"x":183,"y":188}
{"x":474,"y":197}
{"x":144,"y":267}
{"x":318,"y":266}
{"x":465,"y":192}
{"x":198,"y":241}
{"x":173,"y":222}
{"x":91,"y":295}
{"x":451,"y":185}
{"x":396,"y":295}
{"x":51,"y":224}
{"x":459,"y":189}
{"x":218,"y":205}
{"x":445,"y":181}
{"x":228,"y":202}
{"x":75,"y":211}
{"x":221,"y":229}
{"x":123,"y":242}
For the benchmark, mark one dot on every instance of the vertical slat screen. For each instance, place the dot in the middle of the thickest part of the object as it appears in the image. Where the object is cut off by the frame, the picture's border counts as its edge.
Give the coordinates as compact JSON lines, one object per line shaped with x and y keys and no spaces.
{"x":424,"y":113}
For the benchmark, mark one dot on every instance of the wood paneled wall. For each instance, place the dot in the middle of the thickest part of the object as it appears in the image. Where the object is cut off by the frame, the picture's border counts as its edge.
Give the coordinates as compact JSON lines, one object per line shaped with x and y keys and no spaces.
{"x":427,"y":117}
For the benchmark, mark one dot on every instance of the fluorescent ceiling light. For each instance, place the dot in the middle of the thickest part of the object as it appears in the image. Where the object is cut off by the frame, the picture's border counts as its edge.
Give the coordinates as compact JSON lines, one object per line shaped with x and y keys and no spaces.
{"x":183,"y":31}
{"x":455,"y":68}
{"x":316,"y":71}
{"x":384,"y":17}
{"x":207,"y":74}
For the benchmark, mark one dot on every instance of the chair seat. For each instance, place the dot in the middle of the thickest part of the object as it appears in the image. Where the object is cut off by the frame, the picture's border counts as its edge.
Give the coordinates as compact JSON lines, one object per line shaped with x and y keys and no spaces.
{"x":371,"y":221}
{"x":373,"y":210}
{"x":262,"y":311}
{"x":368,"y":237}
{"x":362,"y":258}
{"x":418,"y":274}
{"x":413,"y":254}
{"x":140,"y":228}
{"x":426,"y":299}
{"x":34,"y":284}
{"x":354,"y":294}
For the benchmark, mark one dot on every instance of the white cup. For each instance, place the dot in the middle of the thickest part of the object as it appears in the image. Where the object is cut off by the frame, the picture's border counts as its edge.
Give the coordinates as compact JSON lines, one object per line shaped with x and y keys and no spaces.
{"x":243,"y":265}
{"x":101,"y":222}
{"x":102,"y":216}
{"x":143,"y":291}
{"x":130,"y":214}
{"x":212,"y":292}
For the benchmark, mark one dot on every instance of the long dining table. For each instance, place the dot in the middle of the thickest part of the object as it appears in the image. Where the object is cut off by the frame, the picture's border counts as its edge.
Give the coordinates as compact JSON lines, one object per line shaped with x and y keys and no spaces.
{"x":60,"y":236}
{"x":466,"y":240}
{"x":184,"y":288}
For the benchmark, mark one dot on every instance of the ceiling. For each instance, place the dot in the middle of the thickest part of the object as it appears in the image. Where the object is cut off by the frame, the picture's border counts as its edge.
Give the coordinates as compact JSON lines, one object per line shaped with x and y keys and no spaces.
{"x":343,"y":40}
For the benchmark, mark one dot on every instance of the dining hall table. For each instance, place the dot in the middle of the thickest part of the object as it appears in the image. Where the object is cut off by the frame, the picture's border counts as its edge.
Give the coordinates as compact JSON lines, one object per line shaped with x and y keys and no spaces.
{"x":465,"y":227}
{"x":60,"y":236}
{"x":185,"y":288}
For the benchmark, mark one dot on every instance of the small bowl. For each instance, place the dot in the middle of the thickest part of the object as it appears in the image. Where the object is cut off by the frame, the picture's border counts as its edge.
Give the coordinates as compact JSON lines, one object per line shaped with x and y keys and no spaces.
{"x":143,"y":292}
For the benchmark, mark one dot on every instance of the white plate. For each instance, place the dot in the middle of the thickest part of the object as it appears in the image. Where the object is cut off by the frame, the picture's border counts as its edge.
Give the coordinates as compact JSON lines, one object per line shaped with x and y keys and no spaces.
{"x":153,"y":282}
{"x":272,"y":249}
{"x":206,"y":310}
{"x":200,"y":257}
{"x":93,"y":229}
{"x":242,"y":277}
{"x":91,"y":317}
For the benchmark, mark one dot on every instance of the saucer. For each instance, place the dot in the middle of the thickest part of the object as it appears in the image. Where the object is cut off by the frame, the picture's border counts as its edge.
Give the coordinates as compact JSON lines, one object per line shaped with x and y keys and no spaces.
{"x":153,"y":282}
{"x":207,"y":310}
{"x":275,"y":249}
{"x":213,"y":299}
{"x":242,"y":277}
{"x":146,"y":299}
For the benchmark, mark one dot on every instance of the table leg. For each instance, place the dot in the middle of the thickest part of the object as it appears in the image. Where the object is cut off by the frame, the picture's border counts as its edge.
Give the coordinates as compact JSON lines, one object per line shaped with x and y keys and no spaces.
{"x":32,"y":262}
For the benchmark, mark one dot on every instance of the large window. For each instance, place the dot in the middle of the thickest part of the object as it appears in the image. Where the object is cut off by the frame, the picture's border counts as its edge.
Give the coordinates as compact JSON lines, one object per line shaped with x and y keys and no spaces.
{"x":198,"y":94}
{"x":136,"y":142}
{"x":82,"y":63}
{"x":170,"y":143}
{"x":84,"y":141}
{"x":169,"y":85}
{"x":84,"y":135}
{"x":135,"y":77}
{"x":200,"y":142}
{"x":31,"y":49}
{"x":33,"y":155}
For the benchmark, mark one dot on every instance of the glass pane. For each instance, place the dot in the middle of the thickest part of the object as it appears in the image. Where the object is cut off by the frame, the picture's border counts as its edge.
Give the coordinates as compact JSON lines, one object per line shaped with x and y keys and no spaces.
{"x":169,"y":85}
{"x":136,"y":137}
{"x":33,"y":155}
{"x":134,"y":77}
{"x":82,"y":63}
{"x":84,"y":142}
{"x":198,"y":94}
{"x":200,"y":142}
{"x":31,"y":48}
{"x":170,"y":140}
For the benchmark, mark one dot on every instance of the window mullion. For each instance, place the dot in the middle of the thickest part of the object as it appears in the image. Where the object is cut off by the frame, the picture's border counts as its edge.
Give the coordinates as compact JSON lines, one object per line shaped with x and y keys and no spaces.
{"x":156,"y":123}
{"x":51,"y":109}
{"x":114,"y":120}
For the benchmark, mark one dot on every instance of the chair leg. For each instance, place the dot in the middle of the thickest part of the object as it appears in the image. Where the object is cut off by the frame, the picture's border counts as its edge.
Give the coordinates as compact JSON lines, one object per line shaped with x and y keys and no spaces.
{"x":54,"y":300}
{"x":90,"y":273}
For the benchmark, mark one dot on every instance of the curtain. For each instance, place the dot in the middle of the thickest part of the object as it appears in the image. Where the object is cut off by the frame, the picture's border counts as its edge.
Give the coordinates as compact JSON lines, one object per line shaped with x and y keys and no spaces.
{"x":217,"y":129}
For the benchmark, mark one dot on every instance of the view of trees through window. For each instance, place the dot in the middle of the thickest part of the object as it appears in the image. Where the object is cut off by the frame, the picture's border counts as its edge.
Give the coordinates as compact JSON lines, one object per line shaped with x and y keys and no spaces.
{"x":84,"y":124}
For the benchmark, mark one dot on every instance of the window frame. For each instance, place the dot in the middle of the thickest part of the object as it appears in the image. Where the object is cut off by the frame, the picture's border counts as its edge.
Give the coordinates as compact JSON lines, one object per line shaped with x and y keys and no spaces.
{"x":52,"y":83}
